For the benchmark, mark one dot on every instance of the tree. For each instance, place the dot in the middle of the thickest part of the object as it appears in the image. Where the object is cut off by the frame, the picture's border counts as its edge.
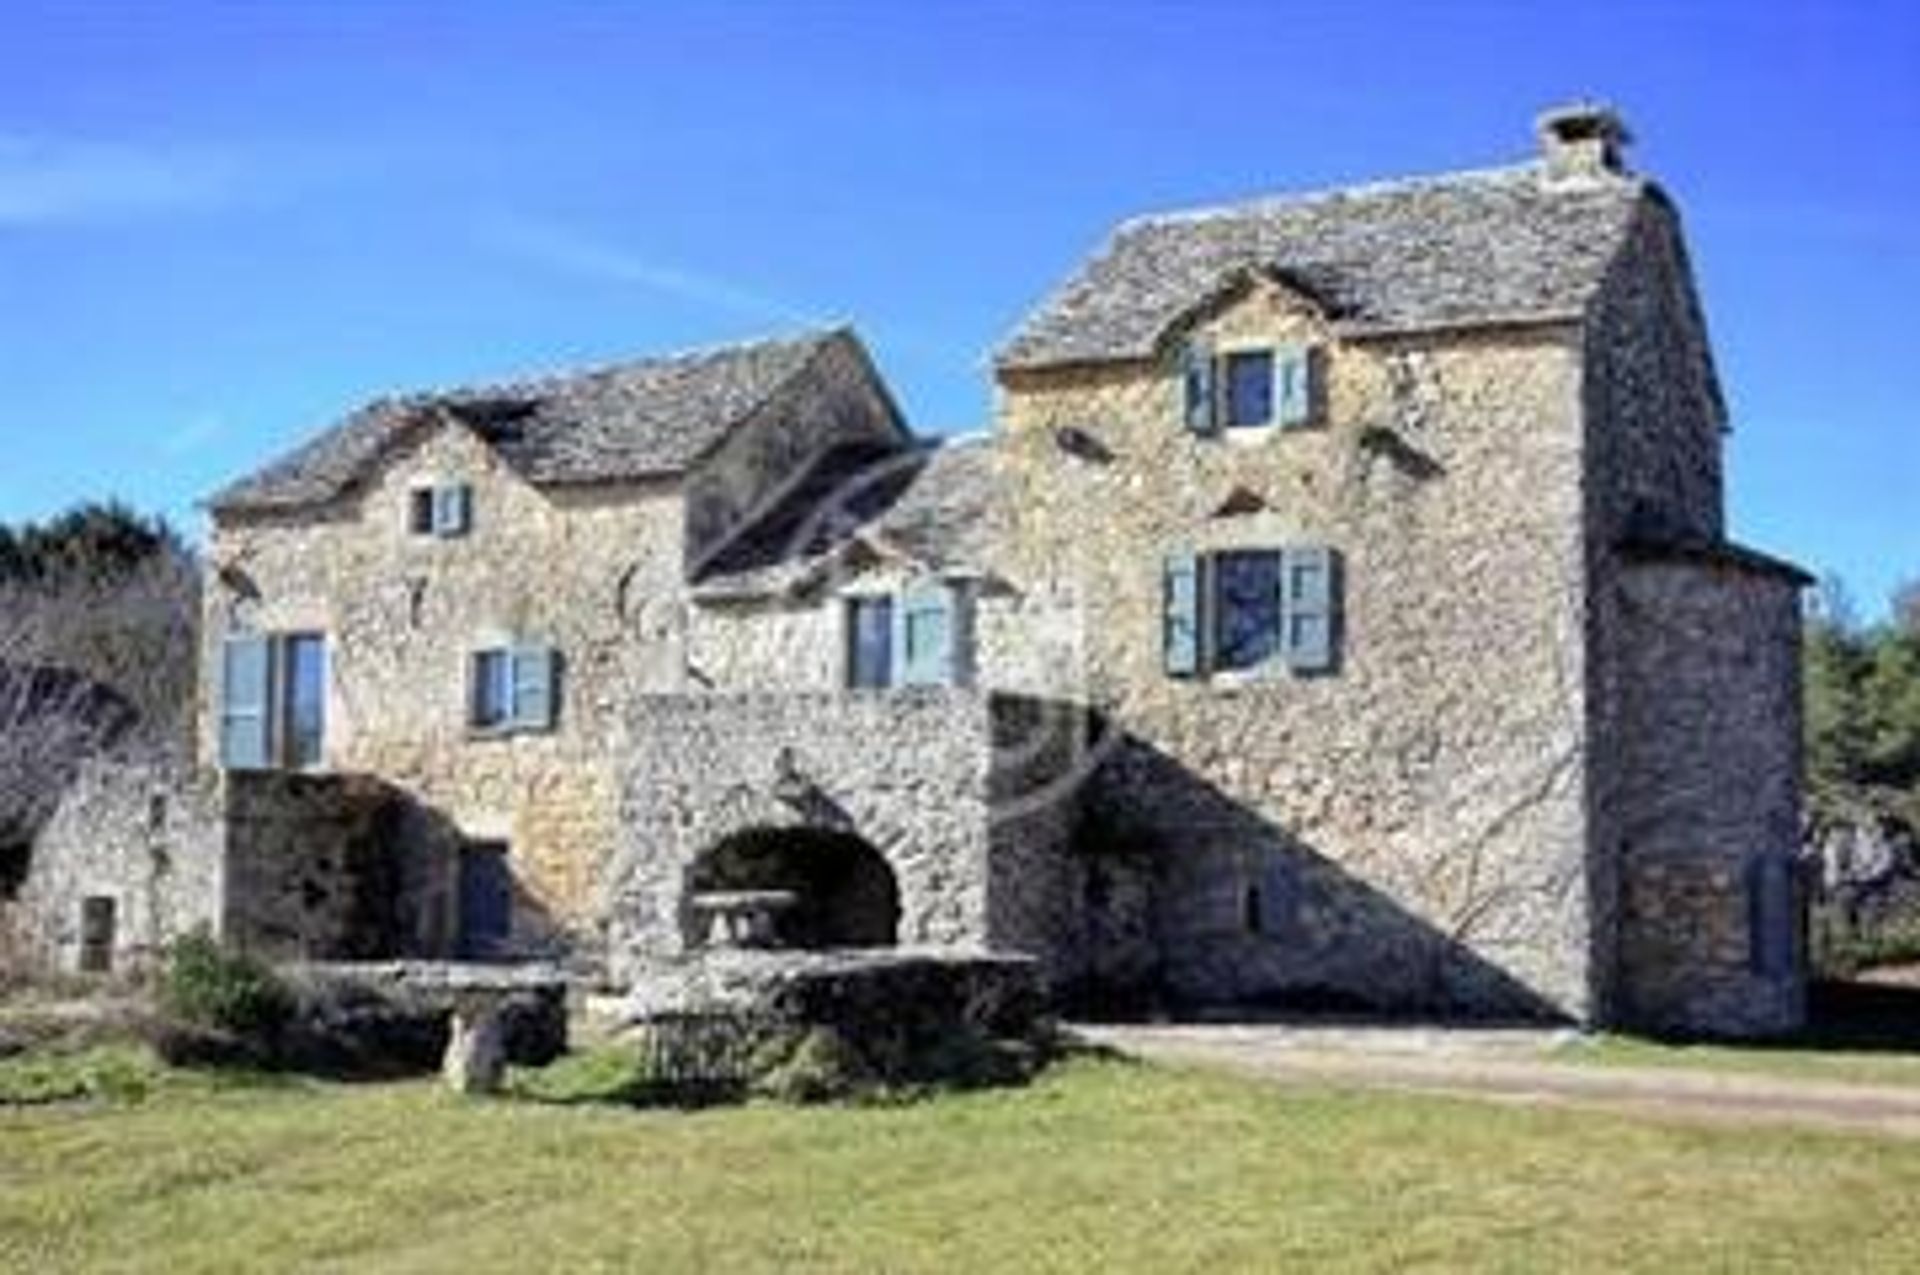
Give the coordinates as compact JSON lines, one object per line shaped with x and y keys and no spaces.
{"x":99,"y":620}
{"x":1834,"y":667}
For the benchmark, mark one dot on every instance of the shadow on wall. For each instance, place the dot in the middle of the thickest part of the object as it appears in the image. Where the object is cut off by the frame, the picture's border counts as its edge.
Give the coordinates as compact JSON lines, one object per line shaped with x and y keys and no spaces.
{"x":349,"y":868}
{"x":838,"y":889}
{"x":1196,"y":902}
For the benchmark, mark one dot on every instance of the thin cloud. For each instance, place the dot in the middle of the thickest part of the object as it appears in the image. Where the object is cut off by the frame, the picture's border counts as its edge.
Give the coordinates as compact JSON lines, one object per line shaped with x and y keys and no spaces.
{"x":48,"y":181}
{"x":565,"y":250}
{"x":193,"y":435}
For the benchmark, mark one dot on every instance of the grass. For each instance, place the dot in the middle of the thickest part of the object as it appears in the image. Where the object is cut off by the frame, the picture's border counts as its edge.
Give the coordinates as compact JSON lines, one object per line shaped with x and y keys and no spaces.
{"x":1098,"y":1165}
{"x":1809,"y":1062}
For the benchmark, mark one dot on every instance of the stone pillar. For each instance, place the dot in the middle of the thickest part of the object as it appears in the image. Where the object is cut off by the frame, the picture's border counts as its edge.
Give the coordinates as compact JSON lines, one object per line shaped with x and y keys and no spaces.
{"x":476,"y":1045}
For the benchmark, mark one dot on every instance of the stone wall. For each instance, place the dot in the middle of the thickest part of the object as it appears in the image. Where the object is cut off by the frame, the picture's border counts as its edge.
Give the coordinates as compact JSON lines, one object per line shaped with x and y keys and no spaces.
{"x":1710,"y":754}
{"x":145,"y":834}
{"x":1407,"y":831}
{"x":316,"y":869}
{"x":910,"y":772}
{"x":837,"y":400}
{"x":594,"y":572}
{"x":1653,"y":410}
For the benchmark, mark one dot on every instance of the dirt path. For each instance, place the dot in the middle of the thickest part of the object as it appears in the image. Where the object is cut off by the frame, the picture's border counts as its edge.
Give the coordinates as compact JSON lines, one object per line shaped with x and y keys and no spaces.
{"x":1506,"y":1067}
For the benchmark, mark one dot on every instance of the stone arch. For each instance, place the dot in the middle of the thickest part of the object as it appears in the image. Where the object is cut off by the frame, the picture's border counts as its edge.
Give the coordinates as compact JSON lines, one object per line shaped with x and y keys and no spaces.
{"x":843,"y":890}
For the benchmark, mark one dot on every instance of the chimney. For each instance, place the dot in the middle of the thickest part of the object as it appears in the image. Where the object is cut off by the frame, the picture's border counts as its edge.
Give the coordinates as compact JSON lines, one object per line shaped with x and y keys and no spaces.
{"x":1582,"y":140}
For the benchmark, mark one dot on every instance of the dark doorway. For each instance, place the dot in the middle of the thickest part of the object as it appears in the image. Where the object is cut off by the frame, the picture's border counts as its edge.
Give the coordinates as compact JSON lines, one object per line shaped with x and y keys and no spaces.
{"x":97,"y":923}
{"x":486,"y":901}
{"x":844,"y":892}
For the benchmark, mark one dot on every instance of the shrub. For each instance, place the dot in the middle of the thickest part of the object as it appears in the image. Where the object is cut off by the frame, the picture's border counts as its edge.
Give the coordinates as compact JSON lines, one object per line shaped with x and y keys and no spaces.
{"x":821,"y":1066}
{"x":209,"y":987}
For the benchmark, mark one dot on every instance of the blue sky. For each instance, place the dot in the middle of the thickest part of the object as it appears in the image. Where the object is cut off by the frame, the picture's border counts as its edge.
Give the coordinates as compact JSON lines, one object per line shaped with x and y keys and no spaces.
{"x":222,"y":226}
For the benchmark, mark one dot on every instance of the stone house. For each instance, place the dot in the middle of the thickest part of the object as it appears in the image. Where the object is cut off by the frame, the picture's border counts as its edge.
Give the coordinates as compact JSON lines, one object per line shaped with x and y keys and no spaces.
{"x":1340,"y":612}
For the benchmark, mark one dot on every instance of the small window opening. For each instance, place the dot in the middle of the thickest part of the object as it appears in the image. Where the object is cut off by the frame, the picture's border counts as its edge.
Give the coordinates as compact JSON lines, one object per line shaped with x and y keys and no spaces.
{"x":97,"y":922}
{"x":15,"y":856}
{"x":420,"y":511}
{"x":1252,"y":912}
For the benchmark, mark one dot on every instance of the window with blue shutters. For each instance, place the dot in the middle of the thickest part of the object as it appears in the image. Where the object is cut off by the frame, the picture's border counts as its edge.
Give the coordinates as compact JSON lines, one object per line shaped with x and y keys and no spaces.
{"x":922,"y":636}
{"x":513,"y":688}
{"x":1250,"y":388}
{"x":273,"y":697}
{"x":1250,"y":610}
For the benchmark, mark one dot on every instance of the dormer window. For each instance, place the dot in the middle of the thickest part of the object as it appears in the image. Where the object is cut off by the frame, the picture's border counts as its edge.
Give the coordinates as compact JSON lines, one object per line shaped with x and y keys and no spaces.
{"x":1250,"y":388}
{"x":442,"y":510}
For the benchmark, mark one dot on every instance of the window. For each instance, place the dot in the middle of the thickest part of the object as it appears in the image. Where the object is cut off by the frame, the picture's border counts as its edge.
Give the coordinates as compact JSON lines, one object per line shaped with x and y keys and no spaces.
{"x":1241,"y":610}
{"x":486,"y":900}
{"x":512,"y":688}
{"x":921,"y":637}
{"x":1249,"y":388}
{"x":1246,"y":608}
{"x":303,"y":698}
{"x":492,"y":689}
{"x":869,"y":642}
{"x":273,"y":701}
{"x":97,"y":925}
{"x":443,"y":510}
{"x":1774,"y":916}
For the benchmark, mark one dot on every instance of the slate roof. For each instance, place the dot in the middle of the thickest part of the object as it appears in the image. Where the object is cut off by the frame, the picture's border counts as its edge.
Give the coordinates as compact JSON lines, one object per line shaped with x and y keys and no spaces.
{"x":650,"y":417}
{"x":933,"y":504}
{"x":1488,"y":246}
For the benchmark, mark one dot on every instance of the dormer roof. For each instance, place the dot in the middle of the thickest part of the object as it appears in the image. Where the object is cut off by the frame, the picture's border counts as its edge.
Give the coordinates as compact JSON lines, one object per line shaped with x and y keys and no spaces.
{"x":1485,"y":247}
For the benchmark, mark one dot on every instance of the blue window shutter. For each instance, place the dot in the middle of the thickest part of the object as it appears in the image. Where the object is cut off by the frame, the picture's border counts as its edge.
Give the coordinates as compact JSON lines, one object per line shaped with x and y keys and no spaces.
{"x":1180,"y":614}
{"x":1293,"y":387}
{"x":452,"y":509}
{"x":927,"y":638}
{"x":1770,"y":916}
{"x":1202,"y":402}
{"x":533,"y":687}
{"x":246,"y":680}
{"x":1309,"y":610}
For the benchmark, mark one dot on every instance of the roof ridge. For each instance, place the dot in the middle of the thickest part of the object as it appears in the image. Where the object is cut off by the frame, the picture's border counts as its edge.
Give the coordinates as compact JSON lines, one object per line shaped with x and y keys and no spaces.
{"x":1495,"y":174}
{"x":537,"y":380}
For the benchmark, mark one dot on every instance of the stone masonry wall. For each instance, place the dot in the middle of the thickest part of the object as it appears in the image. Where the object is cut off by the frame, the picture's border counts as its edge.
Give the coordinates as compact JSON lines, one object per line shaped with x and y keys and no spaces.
{"x":593,"y":572}
{"x":1409,"y":830}
{"x":1710,"y":747}
{"x":910,"y":772}
{"x":142,"y":833}
{"x":837,"y":401}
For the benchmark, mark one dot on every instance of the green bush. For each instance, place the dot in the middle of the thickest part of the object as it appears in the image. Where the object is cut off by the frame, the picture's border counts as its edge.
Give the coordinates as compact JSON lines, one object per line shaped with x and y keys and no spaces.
{"x":207,"y":986}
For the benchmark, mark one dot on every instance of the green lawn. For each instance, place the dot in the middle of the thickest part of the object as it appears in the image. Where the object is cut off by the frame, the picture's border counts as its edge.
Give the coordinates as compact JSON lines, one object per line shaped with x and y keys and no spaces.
{"x":1811,"y":1062}
{"x":1099,"y":1166}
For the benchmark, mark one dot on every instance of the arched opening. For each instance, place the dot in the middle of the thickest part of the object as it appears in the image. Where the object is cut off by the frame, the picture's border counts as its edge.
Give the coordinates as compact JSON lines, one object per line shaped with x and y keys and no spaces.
{"x":818,"y":888}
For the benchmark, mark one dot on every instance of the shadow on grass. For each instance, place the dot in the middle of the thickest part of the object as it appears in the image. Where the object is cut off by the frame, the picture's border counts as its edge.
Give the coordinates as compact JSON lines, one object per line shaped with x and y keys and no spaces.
{"x":1860,"y":1017}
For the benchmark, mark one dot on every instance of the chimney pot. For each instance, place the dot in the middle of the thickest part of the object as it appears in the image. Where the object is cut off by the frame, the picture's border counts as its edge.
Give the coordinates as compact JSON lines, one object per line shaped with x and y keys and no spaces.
{"x":1582,"y":139}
